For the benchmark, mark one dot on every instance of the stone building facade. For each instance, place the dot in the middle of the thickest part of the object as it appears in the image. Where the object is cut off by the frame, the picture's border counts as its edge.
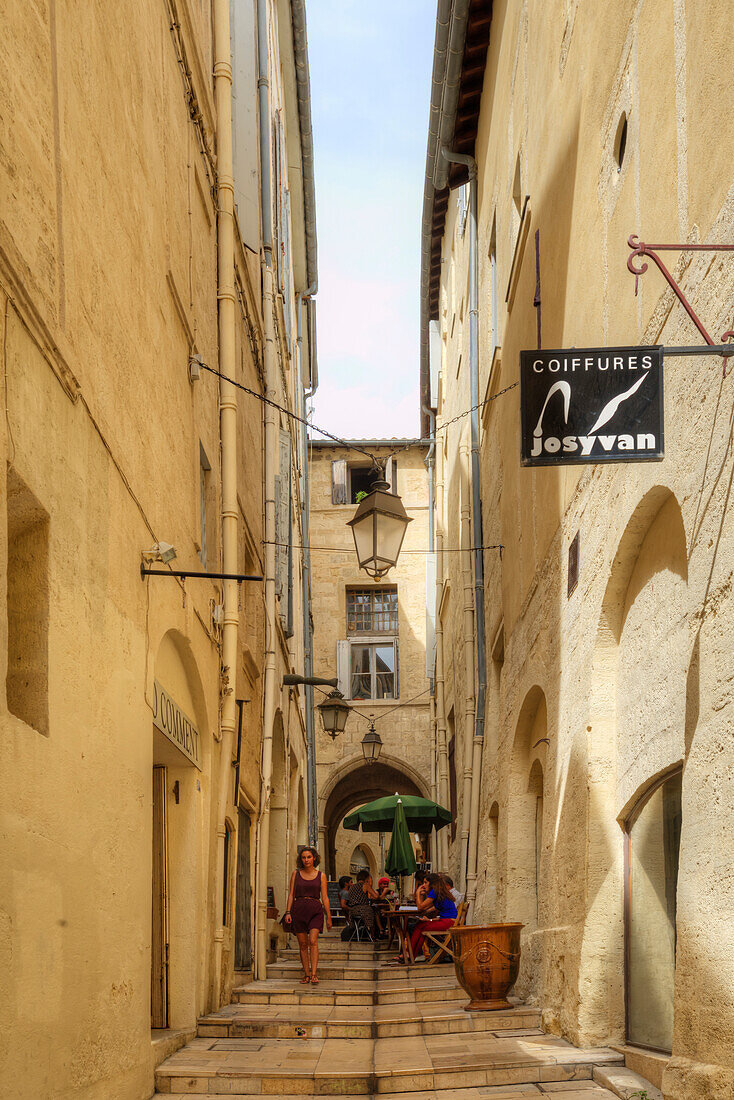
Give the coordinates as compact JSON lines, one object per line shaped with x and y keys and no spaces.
{"x":132,"y":707}
{"x":594,"y":800}
{"x":373,"y":637}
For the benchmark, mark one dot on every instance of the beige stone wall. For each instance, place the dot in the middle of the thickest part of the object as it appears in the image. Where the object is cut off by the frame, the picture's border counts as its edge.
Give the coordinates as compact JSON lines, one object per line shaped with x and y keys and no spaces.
{"x":108,"y":280}
{"x":626,"y":678}
{"x":405,"y":732}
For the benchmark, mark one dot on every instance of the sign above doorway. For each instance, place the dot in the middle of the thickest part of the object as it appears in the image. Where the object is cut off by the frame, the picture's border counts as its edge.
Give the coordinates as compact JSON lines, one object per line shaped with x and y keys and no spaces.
{"x":175,"y":725}
{"x":591,"y":405}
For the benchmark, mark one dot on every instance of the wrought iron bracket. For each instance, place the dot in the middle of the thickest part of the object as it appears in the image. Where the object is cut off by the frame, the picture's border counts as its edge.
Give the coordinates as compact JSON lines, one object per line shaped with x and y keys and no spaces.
{"x":146,"y":571}
{"x":640,"y":249}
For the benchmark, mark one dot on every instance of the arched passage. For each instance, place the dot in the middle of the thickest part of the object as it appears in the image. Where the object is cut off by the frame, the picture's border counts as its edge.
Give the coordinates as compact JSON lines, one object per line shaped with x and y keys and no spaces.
{"x":525,"y":832}
{"x":637,"y":732}
{"x":180,"y":757}
{"x":354,"y":784}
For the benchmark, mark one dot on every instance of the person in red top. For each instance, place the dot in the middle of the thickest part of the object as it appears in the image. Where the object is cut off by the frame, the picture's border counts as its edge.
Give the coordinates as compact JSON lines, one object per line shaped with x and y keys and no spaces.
{"x":308,"y":900}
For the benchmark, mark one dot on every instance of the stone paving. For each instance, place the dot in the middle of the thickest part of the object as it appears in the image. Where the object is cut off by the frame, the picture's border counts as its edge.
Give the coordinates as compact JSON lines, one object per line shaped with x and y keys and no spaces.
{"x":369,"y":1029}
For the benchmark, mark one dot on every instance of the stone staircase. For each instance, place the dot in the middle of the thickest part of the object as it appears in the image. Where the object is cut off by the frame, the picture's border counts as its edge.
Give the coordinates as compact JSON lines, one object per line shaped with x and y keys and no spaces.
{"x":370,"y":1029}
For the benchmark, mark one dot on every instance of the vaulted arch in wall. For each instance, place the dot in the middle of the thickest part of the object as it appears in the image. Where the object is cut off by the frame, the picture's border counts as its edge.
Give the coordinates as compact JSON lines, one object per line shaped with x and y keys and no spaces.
{"x":181,"y":771}
{"x":638,"y":719}
{"x":279,"y":797}
{"x":525,"y":832}
{"x":353,"y":784}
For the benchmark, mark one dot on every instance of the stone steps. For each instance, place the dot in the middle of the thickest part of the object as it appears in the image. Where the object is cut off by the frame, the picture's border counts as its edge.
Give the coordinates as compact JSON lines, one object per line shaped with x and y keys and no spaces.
{"x":373,"y":1022}
{"x":569,"y":1090}
{"x":368,"y":1029}
{"x":382,"y":1066}
{"x":357,"y":971}
{"x":398,"y":988}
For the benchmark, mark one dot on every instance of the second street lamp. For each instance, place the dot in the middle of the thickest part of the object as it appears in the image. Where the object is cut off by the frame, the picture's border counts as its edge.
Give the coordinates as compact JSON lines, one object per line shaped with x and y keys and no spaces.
{"x":371,"y":745}
{"x":379,"y":527}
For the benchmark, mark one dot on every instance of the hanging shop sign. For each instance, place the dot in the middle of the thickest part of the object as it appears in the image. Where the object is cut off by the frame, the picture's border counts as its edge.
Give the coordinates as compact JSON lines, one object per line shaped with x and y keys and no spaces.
{"x":588,"y":405}
{"x":174,"y":724}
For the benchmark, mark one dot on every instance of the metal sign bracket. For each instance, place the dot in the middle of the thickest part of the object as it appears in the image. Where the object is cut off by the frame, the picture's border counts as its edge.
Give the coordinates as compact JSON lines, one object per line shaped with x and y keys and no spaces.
{"x":640,"y":249}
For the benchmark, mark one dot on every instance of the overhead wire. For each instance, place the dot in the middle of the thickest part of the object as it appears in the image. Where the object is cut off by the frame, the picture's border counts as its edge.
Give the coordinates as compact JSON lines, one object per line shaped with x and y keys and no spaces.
{"x":351,"y":446}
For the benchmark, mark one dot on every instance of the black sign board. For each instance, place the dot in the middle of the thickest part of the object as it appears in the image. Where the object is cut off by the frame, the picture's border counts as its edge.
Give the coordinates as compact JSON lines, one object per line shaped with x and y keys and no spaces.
{"x":591,"y":405}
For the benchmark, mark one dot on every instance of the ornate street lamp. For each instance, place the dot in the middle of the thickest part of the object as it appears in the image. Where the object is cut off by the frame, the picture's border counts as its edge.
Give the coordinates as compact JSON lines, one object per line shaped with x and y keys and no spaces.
{"x":371,"y":745}
{"x":334,"y":711}
{"x":379,"y":527}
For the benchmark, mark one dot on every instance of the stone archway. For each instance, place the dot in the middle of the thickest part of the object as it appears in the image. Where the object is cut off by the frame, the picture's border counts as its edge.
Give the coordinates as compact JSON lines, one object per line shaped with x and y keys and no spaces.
{"x":352,"y":784}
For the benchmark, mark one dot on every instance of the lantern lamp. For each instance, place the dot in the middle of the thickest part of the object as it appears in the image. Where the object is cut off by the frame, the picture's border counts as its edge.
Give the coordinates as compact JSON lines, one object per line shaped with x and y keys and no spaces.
{"x":371,"y":745}
{"x":379,"y":527}
{"x":334,"y":711}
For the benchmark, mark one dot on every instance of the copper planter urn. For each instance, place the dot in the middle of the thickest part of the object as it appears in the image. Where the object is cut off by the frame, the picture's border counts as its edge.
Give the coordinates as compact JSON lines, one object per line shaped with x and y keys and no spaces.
{"x":487,"y":960}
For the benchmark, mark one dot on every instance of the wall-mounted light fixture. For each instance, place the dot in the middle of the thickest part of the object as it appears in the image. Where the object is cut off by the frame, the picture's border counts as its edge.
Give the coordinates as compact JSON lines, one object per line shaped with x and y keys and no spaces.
{"x":334,"y":709}
{"x":161,"y":551}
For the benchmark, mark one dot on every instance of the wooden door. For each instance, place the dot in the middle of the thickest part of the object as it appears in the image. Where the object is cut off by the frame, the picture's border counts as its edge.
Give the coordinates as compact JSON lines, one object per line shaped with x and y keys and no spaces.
{"x":159,"y":942}
{"x":243,"y":919}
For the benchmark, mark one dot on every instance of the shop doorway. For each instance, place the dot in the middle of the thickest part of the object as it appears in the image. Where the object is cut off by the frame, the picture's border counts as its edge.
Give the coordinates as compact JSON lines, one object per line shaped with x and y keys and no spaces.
{"x":159,"y":941}
{"x":652,"y":845}
{"x":243,"y":901}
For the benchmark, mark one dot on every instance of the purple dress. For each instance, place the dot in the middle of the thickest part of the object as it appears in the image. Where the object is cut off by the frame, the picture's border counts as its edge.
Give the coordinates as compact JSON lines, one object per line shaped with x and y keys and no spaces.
{"x":307,"y":911}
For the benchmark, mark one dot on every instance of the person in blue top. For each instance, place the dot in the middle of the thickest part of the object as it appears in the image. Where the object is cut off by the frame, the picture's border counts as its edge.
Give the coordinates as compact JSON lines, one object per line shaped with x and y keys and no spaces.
{"x":439,"y":899}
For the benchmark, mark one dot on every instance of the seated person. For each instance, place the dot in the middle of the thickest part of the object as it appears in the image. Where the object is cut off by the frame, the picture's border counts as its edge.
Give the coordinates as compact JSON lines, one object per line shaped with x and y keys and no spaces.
{"x":438,"y":898}
{"x":421,"y":887}
{"x":458,"y":898}
{"x":360,"y":898}
{"x":344,"y":883}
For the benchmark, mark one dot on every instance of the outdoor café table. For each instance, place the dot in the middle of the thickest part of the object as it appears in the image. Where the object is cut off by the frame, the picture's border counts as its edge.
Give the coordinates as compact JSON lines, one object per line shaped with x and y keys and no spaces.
{"x":399,"y":921}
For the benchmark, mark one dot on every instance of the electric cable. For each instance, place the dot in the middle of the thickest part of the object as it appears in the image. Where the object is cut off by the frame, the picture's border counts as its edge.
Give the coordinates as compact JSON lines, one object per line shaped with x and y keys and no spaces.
{"x":378,"y":462}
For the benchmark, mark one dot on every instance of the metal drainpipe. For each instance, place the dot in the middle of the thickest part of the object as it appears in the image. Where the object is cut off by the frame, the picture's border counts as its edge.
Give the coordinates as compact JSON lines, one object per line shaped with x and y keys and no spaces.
{"x":226,"y":300}
{"x":312,"y":789}
{"x":430,"y":463}
{"x":444,"y":794}
{"x":469,"y":658}
{"x":271,"y":451}
{"x":471,"y":870}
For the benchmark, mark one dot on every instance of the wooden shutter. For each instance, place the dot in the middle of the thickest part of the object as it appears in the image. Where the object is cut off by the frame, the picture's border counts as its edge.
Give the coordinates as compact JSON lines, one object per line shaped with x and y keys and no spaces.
{"x":243,"y":904}
{"x":391,"y":474}
{"x":339,"y":481}
{"x":282,"y":525}
{"x":159,"y":941}
{"x":342,"y":669}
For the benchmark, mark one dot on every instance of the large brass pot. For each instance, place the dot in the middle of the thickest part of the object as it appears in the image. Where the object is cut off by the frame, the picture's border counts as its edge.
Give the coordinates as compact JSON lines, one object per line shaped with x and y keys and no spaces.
{"x":487,"y":960}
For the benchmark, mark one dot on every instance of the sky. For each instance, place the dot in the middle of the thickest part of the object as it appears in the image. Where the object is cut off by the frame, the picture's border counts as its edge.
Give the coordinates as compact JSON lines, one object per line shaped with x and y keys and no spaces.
{"x":370,"y":67}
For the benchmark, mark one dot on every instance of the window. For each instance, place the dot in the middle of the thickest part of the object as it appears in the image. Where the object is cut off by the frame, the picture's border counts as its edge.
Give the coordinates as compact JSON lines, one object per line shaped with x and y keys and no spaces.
{"x":372,"y":610}
{"x":205,"y":471}
{"x":620,"y":141}
{"x":361,"y":480}
{"x":26,"y":681}
{"x":493,"y":279}
{"x":372,"y":670}
{"x":453,"y":793}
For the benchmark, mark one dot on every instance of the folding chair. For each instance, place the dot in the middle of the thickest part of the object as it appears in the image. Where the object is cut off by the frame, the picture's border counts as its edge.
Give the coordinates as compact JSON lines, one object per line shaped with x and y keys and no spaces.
{"x":361,"y":923}
{"x":442,"y":939}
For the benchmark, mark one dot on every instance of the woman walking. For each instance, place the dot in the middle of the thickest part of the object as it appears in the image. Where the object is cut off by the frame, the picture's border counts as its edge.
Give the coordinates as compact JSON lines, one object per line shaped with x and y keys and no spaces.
{"x":308,"y":900}
{"x":438,"y":898}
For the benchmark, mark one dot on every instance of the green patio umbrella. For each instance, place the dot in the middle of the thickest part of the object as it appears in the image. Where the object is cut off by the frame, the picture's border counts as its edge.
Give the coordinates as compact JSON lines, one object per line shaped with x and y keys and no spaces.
{"x":400,"y":859}
{"x":421,"y":815}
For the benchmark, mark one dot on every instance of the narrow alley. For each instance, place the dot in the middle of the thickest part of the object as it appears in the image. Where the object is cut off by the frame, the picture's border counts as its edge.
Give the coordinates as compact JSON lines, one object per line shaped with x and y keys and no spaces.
{"x":370,"y":1028}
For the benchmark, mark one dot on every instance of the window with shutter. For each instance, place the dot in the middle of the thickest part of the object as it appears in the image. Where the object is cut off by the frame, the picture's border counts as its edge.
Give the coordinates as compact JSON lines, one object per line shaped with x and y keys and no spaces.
{"x":282,"y":524}
{"x":339,"y":481}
